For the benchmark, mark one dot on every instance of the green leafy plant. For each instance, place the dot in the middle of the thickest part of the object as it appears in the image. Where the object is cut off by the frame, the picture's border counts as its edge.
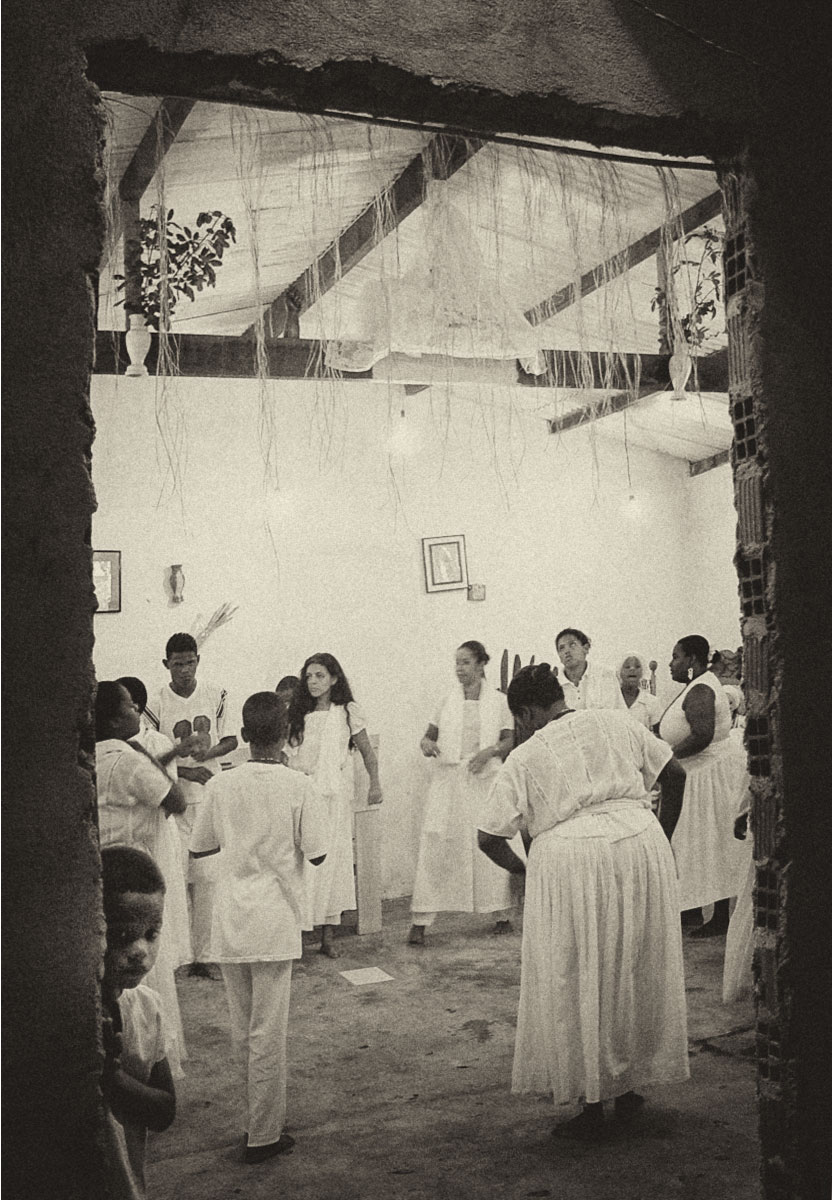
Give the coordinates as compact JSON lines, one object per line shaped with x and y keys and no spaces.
{"x":180,"y":259}
{"x":701,"y":323}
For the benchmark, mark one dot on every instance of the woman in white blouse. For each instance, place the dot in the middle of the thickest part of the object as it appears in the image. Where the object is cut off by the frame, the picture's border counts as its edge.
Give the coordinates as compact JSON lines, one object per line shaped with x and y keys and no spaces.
{"x":585,"y":686}
{"x":643,"y":705}
{"x":602,"y":994}
{"x":325,"y":723}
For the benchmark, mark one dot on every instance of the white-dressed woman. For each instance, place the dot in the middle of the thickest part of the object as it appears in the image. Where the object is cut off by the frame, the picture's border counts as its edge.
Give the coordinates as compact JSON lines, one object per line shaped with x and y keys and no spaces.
{"x":602,"y":995}
{"x":470,"y":734}
{"x":325,"y":723}
{"x":135,"y":799}
{"x":585,"y":686}
{"x":696,"y":725}
{"x":643,"y":705}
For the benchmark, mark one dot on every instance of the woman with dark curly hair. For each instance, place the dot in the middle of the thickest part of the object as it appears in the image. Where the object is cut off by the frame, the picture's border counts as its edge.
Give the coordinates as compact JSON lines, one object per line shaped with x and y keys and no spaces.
{"x":602,"y":992}
{"x":325,"y":723}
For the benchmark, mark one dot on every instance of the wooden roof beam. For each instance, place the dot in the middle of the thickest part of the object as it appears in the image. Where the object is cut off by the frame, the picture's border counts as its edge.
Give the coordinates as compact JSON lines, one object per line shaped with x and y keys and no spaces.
{"x":211,"y":356}
{"x":441,"y":158}
{"x":158,"y":138}
{"x":637,"y":252}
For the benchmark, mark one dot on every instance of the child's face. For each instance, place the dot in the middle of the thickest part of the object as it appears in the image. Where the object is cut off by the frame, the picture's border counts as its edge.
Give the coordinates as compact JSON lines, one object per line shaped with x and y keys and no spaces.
{"x":133,"y":926}
{"x":182,"y":666}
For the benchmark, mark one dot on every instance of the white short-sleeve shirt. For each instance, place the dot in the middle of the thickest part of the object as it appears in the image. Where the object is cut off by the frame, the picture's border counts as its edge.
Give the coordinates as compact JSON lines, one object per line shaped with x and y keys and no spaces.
{"x":266,"y":819}
{"x":131,"y":789}
{"x":647,"y":709}
{"x":582,"y":761}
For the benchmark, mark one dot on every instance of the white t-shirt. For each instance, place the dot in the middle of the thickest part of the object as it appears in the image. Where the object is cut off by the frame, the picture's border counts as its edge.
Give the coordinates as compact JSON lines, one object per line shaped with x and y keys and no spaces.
{"x":204,"y":711}
{"x":598,"y":687}
{"x":130,"y":791}
{"x":143,"y":1045}
{"x":266,"y":819}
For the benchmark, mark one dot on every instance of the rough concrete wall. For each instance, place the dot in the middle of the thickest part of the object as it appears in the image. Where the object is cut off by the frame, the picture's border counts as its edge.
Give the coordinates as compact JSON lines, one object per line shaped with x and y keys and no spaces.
{"x":601,"y":71}
{"x":779,"y":377}
{"x":52,"y":926}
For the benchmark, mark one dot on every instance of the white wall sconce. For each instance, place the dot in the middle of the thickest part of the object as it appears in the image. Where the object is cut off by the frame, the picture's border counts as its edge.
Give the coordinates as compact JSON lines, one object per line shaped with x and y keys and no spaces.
{"x":176,"y":583}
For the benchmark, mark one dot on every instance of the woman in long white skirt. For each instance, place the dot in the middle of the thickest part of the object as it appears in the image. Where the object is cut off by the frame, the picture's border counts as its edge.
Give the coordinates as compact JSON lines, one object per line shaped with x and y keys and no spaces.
{"x":697,"y":725}
{"x":324,"y":724}
{"x":602,"y":996}
{"x":469,"y":735}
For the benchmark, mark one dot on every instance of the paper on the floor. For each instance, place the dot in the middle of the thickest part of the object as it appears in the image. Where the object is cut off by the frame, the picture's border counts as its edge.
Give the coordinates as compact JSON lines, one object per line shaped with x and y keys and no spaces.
{"x":366,"y":975}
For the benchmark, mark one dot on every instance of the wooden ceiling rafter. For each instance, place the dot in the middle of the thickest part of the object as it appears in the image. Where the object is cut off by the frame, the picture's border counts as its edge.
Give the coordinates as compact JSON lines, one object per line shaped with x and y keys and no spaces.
{"x":441,"y":158}
{"x":157,"y":139}
{"x":653,"y":376}
{"x":213,"y":356}
{"x":645,"y":247}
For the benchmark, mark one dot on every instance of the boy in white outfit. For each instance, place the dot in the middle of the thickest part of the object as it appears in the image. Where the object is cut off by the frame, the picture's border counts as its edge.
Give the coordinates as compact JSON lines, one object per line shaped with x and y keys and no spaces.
{"x":264,"y":820}
{"x":194,"y":712}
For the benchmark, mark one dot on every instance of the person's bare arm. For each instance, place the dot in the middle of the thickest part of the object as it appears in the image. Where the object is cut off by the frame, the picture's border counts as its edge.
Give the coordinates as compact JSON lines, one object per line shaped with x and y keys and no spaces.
{"x":175,"y":801}
{"x":152,"y":1104}
{"x":362,"y":745}
{"x":499,"y":750}
{"x":428,"y":744}
{"x":672,"y":780}
{"x":500,"y":852}
{"x":700,"y":710}
{"x":224,"y":746}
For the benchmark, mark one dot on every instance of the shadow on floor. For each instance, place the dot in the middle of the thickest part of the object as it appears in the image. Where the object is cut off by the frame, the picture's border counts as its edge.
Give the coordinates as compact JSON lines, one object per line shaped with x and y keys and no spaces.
{"x":401,"y":1089}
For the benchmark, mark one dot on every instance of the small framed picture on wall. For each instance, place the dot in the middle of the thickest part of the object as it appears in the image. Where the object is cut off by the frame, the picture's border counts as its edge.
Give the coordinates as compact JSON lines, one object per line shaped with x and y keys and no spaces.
{"x":446,"y":568}
{"x":106,"y":579}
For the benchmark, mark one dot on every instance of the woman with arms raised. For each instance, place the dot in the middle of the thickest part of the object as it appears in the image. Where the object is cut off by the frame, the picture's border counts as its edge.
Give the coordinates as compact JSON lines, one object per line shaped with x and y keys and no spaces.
{"x":602,"y":993}
{"x":696,"y":725}
{"x":469,"y":735}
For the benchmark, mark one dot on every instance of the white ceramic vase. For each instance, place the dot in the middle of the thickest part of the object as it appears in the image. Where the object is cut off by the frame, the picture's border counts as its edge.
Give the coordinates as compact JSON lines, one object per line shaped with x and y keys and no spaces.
{"x":137,"y":341}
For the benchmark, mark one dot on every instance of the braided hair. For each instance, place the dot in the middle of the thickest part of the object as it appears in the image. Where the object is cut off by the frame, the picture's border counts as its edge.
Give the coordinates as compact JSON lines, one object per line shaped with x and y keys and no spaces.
{"x":534,"y":687}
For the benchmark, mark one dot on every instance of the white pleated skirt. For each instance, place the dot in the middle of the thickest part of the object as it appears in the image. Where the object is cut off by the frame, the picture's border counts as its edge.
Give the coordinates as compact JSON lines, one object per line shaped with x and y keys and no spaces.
{"x":711,"y":862}
{"x":602,"y":994}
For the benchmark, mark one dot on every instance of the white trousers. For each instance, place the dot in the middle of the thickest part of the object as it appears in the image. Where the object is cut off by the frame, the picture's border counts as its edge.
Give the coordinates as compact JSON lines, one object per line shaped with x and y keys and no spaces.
{"x":201,"y":909}
{"x":258,"y":1005}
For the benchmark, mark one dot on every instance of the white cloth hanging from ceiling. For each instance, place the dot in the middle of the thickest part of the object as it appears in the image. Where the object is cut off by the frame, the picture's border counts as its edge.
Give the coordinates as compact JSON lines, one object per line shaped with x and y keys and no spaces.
{"x":448,"y":303}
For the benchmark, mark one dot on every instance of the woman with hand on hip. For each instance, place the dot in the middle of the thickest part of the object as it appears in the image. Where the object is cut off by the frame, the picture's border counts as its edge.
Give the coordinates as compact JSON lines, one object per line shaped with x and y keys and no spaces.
{"x":324,"y":724}
{"x":470,"y":734}
{"x":696,"y":725}
{"x":602,"y":991}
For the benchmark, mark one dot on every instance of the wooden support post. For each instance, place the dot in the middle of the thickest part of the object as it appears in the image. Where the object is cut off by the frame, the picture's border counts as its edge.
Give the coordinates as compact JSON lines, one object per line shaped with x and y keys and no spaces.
{"x":367,"y":851}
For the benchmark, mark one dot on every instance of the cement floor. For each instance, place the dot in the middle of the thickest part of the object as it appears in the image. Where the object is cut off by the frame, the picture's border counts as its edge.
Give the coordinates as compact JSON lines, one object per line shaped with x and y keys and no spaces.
{"x":401,"y":1089}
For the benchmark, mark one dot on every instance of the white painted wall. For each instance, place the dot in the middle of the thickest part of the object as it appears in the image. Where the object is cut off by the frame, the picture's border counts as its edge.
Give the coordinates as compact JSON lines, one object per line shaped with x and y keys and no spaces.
{"x":332,"y":560}
{"x":712,"y":524}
